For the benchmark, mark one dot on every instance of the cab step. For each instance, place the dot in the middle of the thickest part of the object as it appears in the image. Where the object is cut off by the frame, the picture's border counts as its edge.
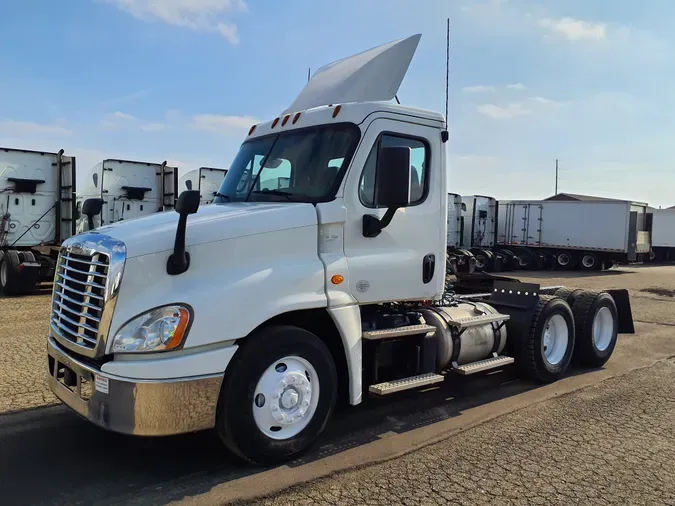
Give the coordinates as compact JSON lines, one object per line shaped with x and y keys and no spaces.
{"x":471,"y":321}
{"x":407,"y":330}
{"x":483,"y":365}
{"x":391,"y":387}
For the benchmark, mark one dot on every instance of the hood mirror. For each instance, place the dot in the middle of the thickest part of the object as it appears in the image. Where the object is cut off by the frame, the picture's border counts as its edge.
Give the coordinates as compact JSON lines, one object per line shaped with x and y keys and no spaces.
{"x":179,"y":261}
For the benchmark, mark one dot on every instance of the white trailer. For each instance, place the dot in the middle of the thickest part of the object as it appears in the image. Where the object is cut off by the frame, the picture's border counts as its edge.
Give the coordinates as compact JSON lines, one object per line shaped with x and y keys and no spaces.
{"x":125,"y":189}
{"x":153,"y":330}
{"x":587,"y":234}
{"x":663,"y":234}
{"x":37,"y":213}
{"x":206,"y":180}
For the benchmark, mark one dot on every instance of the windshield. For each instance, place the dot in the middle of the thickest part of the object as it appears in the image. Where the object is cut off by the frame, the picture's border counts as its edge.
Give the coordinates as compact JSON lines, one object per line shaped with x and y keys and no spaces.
{"x":304,"y":165}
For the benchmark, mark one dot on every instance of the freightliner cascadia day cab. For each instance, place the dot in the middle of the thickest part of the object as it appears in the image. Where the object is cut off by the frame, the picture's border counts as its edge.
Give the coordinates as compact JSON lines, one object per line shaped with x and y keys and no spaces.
{"x":116,"y":190}
{"x":37,"y":213}
{"x":255,"y":314}
{"x":206,"y":180}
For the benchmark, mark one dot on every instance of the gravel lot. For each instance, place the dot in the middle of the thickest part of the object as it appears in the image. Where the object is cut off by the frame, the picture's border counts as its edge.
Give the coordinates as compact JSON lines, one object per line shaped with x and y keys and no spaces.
{"x":609,"y":444}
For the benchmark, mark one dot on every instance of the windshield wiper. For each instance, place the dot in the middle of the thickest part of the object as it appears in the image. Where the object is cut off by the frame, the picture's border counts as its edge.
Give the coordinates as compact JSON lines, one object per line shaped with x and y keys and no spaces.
{"x":280,"y":193}
{"x":218,"y":194}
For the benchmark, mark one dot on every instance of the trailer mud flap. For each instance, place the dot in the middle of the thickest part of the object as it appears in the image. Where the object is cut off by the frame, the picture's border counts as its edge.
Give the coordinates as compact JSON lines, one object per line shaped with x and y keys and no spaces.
{"x":622,"y":301}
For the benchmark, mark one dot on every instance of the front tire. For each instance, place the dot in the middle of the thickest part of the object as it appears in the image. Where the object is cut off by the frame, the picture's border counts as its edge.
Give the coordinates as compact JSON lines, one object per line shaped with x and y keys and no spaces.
{"x":277,"y":396}
{"x":545,"y":349}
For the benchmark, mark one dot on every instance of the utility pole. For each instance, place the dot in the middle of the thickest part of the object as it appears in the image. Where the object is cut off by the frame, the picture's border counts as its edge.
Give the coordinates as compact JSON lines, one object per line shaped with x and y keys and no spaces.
{"x":556,"y":176}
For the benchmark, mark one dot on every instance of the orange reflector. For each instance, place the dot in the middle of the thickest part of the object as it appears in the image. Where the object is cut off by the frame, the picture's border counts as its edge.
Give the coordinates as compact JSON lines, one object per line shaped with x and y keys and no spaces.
{"x":337,"y":279}
{"x":252,"y":129}
{"x":286,"y":118}
{"x":274,"y":123}
{"x":337,"y":110}
{"x":177,"y":337}
{"x":296,"y":117}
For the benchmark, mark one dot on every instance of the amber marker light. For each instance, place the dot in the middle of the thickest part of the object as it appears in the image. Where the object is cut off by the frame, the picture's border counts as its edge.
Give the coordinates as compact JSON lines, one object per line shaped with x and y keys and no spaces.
{"x":337,"y":279}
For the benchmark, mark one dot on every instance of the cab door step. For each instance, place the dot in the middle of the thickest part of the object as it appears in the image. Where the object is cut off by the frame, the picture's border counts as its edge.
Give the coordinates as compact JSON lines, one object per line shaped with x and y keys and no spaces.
{"x":483,"y":365}
{"x":407,"y":330}
{"x":390,"y":387}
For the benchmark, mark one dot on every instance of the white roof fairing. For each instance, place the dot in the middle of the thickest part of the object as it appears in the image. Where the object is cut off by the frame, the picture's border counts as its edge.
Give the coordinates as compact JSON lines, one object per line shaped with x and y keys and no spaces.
{"x":369,"y":76}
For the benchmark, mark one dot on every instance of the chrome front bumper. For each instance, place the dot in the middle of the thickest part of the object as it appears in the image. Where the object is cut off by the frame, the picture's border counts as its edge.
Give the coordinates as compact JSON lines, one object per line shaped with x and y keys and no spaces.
{"x":140,"y":407}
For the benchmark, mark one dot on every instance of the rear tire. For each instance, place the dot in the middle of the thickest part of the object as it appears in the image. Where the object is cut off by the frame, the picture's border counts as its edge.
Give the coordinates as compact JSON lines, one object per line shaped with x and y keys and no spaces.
{"x":569,"y":295}
{"x":9,"y":276}
{"x":526,"y":259}
{"x":484,"y":259}
{"x":590,"y":261}
{"x":267,"y":373}
{"x":545,"y":349}
{"x":565,"y":260}
{"x":597,"y":322}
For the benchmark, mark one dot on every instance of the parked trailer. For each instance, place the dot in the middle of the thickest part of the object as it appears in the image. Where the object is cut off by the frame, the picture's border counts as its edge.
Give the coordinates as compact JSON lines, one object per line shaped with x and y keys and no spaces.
{"x":119,"y":190}
{"x":569,"y":234}
{"x":206,"y":180}
{"x":346,"y":268}
{"x":663,"y":234}
{"x":37,"y":213}
{"x":459,"y":259}
{"x":480,"y":235}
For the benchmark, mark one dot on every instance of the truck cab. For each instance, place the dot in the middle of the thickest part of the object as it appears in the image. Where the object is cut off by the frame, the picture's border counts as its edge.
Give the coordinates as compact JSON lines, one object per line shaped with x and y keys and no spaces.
{"x":207,"y":180}
{"x":317,"y":276}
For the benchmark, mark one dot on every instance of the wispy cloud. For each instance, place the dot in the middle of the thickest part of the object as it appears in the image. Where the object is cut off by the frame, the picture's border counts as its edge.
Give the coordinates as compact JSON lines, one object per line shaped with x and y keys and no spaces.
{"x":575,"y":29}
{"x":29,"y":127}
{"x":479,"y":89}
{"x":200,"y":15}
{"x":503,"y":111}
{"x":124,"y":121}
{"x":124,"y":99}
{"x":222,"y":124}
{"x":516,"y":86}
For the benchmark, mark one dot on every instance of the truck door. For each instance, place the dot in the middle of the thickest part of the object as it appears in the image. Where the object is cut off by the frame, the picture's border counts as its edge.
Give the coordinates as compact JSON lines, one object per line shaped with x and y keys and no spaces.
{"x":406,"y":260}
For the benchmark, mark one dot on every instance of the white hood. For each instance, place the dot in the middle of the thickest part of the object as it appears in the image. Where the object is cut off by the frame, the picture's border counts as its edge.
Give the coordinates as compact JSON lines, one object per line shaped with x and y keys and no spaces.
{"x":212,"y":223}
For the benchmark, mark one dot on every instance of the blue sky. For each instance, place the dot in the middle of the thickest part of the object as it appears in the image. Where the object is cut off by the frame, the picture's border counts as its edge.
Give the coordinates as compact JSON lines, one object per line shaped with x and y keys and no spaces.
{"x":585,"y":81}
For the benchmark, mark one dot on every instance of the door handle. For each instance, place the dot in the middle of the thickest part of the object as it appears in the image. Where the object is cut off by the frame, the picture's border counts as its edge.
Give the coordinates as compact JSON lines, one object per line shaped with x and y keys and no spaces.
{"x":428,"y":267}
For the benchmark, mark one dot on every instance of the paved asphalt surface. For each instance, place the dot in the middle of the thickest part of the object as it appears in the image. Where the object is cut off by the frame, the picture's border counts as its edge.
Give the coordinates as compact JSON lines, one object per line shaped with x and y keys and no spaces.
{"x":607,"y":444}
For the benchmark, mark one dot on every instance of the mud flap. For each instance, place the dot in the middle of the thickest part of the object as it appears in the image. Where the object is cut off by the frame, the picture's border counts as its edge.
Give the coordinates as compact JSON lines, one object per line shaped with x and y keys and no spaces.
{"x":622,"y":301}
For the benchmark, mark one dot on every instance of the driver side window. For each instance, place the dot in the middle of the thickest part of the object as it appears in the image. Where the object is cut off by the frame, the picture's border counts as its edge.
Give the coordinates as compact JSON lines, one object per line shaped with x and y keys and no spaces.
{"x":420,"y":167}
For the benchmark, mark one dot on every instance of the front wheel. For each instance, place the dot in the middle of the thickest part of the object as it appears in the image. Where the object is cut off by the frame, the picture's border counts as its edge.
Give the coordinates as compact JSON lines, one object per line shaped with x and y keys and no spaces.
{"x":277,"y":396}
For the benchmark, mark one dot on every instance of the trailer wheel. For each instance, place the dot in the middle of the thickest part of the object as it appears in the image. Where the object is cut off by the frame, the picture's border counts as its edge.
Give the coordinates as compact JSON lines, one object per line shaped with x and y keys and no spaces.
{"x":9,"y":277}
{"x":526,"y":259}
{"x":565,"y":260}
{"x":569,"y":295}
{"x":589,"y":261}
{"x":484,"y":259}
{"x":546,"y":347}
{"x":596,"y":319}
{"x":512,"y":261}
{"x":277,"y":396}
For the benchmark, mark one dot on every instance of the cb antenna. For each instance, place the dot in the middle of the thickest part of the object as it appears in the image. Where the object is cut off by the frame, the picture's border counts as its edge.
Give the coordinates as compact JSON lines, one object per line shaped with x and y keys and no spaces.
{"x":447,"y":71}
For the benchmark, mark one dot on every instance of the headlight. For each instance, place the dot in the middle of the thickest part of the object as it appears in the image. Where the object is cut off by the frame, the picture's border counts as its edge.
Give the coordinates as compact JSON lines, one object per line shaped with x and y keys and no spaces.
{"x":161,"y":329}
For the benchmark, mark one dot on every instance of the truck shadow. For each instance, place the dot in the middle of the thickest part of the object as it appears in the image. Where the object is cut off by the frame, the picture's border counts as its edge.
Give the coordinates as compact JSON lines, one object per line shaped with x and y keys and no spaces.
{"x":77,"y":462}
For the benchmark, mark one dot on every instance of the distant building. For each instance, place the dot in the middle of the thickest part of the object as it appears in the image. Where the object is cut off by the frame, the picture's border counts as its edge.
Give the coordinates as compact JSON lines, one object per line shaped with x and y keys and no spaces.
{"x":577,"y":197}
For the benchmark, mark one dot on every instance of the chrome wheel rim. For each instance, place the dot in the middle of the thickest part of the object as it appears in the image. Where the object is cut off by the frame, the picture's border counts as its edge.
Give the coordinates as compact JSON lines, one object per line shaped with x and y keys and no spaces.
{"x":286,"y":397}
{"x":480,"y":261}
{"x":603,"y":328}
{"x":563,"y":259}
{"x":556,"y":339}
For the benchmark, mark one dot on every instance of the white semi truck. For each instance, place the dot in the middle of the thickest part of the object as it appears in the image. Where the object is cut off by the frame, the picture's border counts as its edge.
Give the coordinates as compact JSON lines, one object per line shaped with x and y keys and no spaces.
{"x":206,"y":180}
{"x":119,"y":190}
{"x":257,"y":314}
{"x":37,"y":212}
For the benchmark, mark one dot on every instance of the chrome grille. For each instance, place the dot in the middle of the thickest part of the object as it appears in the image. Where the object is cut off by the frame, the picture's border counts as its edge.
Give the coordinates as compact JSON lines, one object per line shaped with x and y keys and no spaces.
{"x":79,"y":296}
